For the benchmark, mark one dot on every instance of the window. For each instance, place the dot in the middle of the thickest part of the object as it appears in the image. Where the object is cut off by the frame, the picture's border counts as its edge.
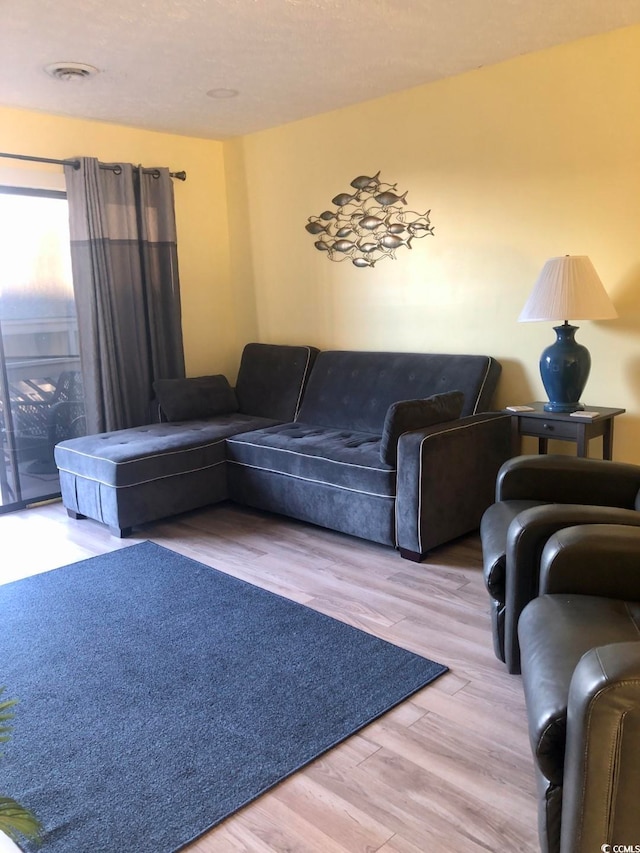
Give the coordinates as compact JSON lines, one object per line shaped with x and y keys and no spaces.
{"x":40,"y":379}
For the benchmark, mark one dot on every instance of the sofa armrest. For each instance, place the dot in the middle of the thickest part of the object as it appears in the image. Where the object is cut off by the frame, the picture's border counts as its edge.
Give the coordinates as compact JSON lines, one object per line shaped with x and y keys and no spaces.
{"x":446,"y":479}
{"x":597,"y":559}
{"x":527,"y":536}
{"x":601,"y":772}
{"x":569,"y":479}
{"x":409,"y":415}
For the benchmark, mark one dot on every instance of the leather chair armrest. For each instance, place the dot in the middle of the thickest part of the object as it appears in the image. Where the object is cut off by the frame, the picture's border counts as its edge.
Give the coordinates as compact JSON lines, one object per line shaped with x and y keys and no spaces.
{"x":596,"y":559}
{"x":527,"y":535}
{"x":446,"y":479}
{"x":601,"y":771}
{"x":568,"y":479}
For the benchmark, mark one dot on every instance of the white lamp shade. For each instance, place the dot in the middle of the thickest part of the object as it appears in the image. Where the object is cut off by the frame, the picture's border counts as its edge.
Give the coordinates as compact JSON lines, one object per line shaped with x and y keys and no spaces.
{"x":568,"y":288}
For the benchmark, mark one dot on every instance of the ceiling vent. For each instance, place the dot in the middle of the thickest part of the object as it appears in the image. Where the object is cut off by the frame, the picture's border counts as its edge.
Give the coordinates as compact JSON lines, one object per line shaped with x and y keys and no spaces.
{"x":70,"y":70}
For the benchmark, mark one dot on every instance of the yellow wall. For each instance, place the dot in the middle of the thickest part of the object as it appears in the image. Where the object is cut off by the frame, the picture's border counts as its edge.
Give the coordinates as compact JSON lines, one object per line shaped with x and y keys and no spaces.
{"x":210,"y":333}
{"x":519,"y":162}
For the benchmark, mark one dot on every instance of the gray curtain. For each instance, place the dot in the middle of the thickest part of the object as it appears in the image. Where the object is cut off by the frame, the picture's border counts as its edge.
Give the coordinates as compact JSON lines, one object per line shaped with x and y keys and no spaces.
{"x":125,"y":278}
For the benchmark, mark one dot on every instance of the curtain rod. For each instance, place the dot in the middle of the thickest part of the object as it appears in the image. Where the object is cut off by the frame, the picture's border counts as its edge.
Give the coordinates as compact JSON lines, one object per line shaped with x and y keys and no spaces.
{"x":181,"y":176}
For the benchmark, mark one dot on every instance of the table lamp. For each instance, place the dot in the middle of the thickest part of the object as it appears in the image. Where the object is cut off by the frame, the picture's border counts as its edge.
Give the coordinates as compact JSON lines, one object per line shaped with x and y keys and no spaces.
{"x":567,"y":287}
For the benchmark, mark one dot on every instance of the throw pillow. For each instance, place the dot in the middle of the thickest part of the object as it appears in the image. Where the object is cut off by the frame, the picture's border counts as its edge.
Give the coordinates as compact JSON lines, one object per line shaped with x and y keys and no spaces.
{"x":196,"y":397}
{"x":407,"y":415}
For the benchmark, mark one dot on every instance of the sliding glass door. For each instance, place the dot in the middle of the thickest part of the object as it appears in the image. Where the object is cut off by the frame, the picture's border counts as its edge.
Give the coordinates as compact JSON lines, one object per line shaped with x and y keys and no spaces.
{"x":41,"y":400}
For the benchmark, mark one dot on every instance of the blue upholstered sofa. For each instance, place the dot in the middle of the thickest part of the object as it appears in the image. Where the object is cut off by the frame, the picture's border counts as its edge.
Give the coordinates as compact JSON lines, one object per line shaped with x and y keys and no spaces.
{"x":397,"y":448}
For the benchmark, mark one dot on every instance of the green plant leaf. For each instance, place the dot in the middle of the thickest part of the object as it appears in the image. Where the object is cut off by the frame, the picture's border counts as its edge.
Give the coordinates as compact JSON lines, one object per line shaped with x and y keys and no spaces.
{"x":15,"y":820}
{"x":8,"y":703}
{"x":5,"y":716}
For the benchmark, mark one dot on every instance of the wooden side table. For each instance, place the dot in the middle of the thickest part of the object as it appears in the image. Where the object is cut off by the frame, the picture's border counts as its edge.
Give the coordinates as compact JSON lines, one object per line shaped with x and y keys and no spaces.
{"x":564,"y":427}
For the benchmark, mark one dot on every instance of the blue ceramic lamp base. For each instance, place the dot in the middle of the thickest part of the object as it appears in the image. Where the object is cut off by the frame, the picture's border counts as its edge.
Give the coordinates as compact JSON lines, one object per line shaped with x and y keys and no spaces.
{"x":564,"y":368}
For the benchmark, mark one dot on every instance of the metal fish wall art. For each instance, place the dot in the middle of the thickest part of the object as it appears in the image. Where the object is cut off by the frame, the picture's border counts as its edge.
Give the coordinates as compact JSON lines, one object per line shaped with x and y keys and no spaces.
{"x":374,"y":219}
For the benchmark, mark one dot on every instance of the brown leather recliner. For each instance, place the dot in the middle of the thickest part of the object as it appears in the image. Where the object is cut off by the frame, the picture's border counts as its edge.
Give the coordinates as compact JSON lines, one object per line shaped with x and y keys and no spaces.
{"x":536,"y":496}
{"x":580,"y":642}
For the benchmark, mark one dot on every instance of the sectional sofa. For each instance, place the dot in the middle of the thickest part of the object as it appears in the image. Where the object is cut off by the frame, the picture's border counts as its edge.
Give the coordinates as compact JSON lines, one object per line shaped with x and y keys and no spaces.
{"x":397,"y":448}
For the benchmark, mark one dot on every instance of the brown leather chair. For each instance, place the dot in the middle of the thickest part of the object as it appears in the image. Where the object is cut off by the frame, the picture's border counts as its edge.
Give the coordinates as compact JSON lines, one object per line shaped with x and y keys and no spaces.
{"x":580,"y":646}
{"x":536,"y":496}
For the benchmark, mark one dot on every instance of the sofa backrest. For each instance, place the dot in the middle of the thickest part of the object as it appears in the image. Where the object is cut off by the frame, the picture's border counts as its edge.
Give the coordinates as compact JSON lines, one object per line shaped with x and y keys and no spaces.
{"x":272,"y":378}
{"x":353,"y":390}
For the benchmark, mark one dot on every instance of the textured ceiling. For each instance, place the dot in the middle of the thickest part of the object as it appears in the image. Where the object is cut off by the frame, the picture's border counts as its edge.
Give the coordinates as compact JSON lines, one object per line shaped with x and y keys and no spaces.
{"x":288,"y":59}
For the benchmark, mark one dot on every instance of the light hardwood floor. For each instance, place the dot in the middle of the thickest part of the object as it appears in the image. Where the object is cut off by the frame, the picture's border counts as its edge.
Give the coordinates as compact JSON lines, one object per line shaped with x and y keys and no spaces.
{"x":448,"y":771}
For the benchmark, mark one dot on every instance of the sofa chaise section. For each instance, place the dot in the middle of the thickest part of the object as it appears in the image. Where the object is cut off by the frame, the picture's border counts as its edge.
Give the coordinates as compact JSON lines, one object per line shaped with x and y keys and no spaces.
{"x":129,"y":477}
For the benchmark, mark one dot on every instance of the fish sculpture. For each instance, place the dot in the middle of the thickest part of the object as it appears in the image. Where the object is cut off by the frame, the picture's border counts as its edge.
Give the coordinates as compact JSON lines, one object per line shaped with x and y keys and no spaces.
{"x":417,"y":226}
{"x":371,"y":222}
{"x":344,"y":245}
{"x":316,"y":227}
{"x":387,"y":198}
{"x":364,"y":182}
{"x":343,"y":198}
{"x":391,"y":241}
{"x":367,"y":247}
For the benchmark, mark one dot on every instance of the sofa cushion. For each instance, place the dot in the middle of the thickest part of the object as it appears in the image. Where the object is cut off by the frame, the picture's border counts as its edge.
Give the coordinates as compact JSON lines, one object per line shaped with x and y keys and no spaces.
{"x":353,"y":390}
{"x":129,"y":457}
{"x":272,"y":378}
{"x":195,"y":397}
{"x":346,"y":459}
{"x":407,"y":415}
{"x":555,"y":631}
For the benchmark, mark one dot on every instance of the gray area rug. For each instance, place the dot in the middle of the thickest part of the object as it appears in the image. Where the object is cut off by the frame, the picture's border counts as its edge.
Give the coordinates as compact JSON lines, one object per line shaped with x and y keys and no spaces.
{"x":158,"y":696}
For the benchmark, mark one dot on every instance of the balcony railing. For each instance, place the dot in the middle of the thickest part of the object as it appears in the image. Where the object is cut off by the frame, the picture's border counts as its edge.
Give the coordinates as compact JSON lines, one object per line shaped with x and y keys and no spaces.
{"x":43,"y":404}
